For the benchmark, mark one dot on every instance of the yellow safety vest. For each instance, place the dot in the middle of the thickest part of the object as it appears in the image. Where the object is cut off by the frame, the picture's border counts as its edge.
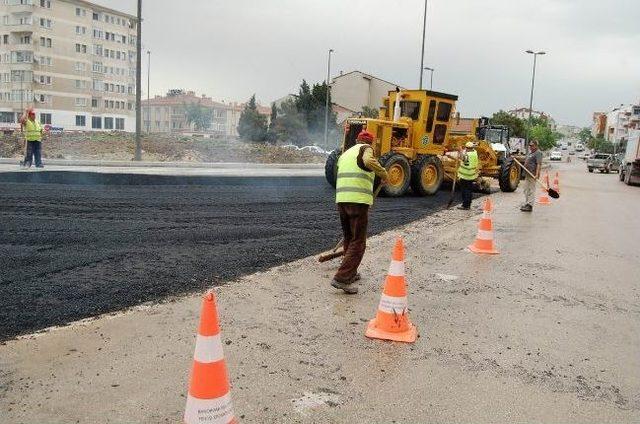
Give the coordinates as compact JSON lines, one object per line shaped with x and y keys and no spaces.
{"x":468,"y":169}
{"x":354,"y":185}
{"x":32,"y":130}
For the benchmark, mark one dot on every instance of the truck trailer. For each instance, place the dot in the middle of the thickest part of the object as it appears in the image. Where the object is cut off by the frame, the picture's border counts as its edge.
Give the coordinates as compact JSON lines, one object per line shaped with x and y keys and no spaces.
{"x":630,"y":166}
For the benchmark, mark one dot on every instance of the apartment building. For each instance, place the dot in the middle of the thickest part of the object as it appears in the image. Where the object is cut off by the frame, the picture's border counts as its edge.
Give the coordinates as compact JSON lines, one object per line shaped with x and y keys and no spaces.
{"x":355,"y":89}
{"x":523,"y":113}
{"x":619,"y":121}
{"x":169,"y":114}
{"x":72,"y":60}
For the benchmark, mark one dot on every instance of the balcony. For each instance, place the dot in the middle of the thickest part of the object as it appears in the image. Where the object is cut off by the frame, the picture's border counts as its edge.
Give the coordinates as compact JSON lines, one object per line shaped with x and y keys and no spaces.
{"x":18,"y":7}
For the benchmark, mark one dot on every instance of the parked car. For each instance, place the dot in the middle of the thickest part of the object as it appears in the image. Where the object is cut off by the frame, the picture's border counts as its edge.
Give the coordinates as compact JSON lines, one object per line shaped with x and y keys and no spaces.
{"x":603,"y":162}
{"x":555,"y":155}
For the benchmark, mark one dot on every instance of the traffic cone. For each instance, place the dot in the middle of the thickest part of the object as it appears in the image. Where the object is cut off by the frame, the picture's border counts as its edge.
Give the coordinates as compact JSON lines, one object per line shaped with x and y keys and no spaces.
{"x":484,"y":239}
{"x":556,"y":183}
{"x":392,"y":319}
{"x":488,"y":204}
{"x":544,"y":194}
{"x":209,"y":400}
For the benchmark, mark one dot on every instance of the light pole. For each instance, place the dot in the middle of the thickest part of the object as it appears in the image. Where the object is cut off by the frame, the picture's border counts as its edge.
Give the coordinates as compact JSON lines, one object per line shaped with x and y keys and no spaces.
{"x":426,"y":68}
{"x":424,"y":31}
{"x":533,"y":81}
{"x":326,"y":101}
{"x":148,"y":88}
{"x":138,"y":155}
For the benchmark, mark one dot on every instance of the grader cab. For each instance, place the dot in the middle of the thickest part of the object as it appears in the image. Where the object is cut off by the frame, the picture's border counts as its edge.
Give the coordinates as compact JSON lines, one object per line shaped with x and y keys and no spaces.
{"x":412,"y":134}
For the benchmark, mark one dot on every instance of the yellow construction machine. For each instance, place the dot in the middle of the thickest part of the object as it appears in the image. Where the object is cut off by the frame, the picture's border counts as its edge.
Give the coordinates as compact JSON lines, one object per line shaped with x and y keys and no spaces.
{"x":414,"y":130}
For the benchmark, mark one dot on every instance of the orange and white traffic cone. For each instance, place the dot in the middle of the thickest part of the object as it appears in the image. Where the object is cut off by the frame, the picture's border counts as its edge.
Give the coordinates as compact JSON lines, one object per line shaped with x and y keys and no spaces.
{"x":488,"y":204}
{"x":209,"y":400}
{"x":556,"y":183}
{"x":484,"y":239}
{"x":544,"y":194}
{"x":392,"y":319}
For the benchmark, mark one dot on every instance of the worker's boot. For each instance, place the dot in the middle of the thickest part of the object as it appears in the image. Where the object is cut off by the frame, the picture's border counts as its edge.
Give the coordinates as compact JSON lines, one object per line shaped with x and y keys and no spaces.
{"x":526,"y":208}
{"x":348,"y":288}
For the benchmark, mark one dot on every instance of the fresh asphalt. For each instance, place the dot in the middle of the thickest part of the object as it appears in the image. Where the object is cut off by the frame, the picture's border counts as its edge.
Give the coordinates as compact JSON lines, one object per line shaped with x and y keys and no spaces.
{"x":75,"y":244}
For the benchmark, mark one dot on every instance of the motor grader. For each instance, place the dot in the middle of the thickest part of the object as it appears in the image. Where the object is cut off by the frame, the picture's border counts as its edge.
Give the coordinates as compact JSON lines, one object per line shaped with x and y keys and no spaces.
{"x":414,"y":130}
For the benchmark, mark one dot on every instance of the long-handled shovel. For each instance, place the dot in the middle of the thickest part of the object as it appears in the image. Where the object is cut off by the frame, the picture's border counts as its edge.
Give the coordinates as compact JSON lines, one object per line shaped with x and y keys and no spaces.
{"x":335,"y":253}
{"x":552,"y":193}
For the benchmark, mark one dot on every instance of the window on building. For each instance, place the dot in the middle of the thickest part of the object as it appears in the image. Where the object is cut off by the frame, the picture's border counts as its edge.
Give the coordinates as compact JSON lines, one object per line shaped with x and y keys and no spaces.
{"x":81,"y":120}
{"x":45,"y":42}
{"x":108,"y":123}
{"x":45,"y":3}
{"x":81,"y":102}
{"x":94,"y":102}
{"x":120,"y":124}
{"x":96,"y":16}
{"x":7,"y":117}
{"x":45,"y":118}
{"x":96,"y":122}
{"x":45,"y":23}
{"x":5,"y":39}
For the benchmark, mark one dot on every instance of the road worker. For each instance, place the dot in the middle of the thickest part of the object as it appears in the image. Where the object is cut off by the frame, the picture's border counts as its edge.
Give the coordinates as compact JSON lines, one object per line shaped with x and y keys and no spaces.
{"x":533,"y":163}
{"x":467,"y":173}
{"x":33,"y":138}
{"x":357,"y":169}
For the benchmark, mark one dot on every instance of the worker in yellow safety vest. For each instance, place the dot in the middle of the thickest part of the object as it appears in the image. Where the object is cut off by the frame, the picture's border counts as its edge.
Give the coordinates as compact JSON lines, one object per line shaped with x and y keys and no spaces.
{"x":467,"y":173}
{"x":357,"y":169}
{"x":33,"y":137}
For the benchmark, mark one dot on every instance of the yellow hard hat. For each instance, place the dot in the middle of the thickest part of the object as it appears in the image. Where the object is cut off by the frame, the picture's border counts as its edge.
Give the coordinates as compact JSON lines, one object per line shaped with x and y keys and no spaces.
{"x":469,"y":145}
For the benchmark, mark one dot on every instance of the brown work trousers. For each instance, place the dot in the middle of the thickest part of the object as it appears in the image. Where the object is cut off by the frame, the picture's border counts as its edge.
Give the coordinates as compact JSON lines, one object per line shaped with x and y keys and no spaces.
{"x":354,"y":218}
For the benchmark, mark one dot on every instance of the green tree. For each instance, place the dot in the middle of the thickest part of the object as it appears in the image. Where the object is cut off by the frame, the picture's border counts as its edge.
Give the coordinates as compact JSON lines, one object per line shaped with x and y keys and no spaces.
{"x":271,"y":134}
{"x":516,"y":125}
{"x":198,"y":115}
{"x":369,"y":112}
{"x":311,"y":102}
{"x":252,"y":125}
{"x":290,"y":126}
{"x":584,"y":135}
{"x":545,"y":136}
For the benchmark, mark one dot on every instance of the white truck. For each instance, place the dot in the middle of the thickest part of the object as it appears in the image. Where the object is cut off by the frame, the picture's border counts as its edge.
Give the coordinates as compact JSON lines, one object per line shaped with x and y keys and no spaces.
{"x":630,"y":166}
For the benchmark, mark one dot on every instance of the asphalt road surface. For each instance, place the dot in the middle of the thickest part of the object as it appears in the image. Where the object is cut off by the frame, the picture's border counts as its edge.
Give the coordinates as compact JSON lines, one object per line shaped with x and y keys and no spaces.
{"x":70,"y":251}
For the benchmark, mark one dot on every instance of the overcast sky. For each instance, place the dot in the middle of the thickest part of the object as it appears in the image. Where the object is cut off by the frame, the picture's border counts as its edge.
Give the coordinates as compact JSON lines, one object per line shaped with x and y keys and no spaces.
{"x":232,"y":49}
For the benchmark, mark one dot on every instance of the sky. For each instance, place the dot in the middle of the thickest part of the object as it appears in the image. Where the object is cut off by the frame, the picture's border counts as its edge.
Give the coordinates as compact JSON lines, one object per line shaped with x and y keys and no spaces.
{"x":230,"y":50}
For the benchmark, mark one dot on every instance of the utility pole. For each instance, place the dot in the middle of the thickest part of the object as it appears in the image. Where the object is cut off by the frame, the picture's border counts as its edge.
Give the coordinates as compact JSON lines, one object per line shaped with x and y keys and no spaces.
{"x":326,"y":102}
{"x":148,"y":89}
{"x":424,"y":31}
{"x":533,"y":81}
{"x":138,"y":155}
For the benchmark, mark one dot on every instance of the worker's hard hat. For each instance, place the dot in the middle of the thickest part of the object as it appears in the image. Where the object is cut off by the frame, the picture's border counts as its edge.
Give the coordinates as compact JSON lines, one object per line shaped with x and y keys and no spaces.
{"x":469,"y":145}
{"x":365,"y":136}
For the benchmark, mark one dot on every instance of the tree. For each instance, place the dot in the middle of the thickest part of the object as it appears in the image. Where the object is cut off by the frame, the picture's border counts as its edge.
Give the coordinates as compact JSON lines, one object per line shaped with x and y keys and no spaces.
{"x":311,"y":103}
{"x":369,"y":112}
{"x":545,"y":136}
{"x":198,"y":115}
{"x":584,"y":135}
{"x":516,"y":125}
{"x":271,"y":134}
{"x":252,"y":125}
{"x":290,"y":125}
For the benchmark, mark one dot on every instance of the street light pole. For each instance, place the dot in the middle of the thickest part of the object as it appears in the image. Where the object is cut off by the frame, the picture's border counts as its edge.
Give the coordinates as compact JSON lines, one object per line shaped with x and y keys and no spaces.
{"x":533,"y":81}
{"x":326,"y":102}
{"x":424,"y":31}
{"x":431,"y":80}
{"x":138,"y":154}
{"x":148,"y":89}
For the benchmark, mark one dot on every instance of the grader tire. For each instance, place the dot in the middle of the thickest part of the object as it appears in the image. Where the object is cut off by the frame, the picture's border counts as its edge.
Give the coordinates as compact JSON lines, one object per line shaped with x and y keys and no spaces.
{"x":331,"y":167}
{"x":509,"y":177}
{"x":427,"y":174}
{"x":399,"y":171}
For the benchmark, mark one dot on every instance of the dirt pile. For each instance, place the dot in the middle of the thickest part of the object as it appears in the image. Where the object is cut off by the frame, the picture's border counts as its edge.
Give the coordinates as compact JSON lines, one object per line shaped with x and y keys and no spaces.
{"x":157,"y":148}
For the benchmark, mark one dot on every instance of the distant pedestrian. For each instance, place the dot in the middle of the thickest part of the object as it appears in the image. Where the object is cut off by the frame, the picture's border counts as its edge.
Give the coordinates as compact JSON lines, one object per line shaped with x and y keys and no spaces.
{"x":533,"y":163}
{"x":33,"y":138}
{"x":357,"y":169}
{"x":467,"y":173}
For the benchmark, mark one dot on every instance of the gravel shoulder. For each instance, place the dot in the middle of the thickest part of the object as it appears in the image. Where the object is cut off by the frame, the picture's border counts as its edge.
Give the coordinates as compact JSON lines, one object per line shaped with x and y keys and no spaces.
{"x":544,"y":332}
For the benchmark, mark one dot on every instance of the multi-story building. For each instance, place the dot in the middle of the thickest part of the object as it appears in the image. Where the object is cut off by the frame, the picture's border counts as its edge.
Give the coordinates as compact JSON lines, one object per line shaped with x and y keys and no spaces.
{"x":598,"y":124}
{"x":619,"y":121}
{"x":170,"y":114}
{"x":74,"y":61}
{"x":356,"y":89}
